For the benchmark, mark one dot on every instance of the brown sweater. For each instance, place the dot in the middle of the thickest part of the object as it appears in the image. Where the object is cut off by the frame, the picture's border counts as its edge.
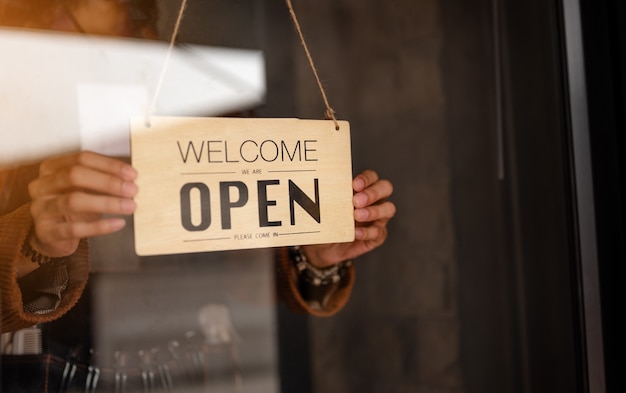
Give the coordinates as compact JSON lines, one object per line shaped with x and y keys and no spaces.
{"x":16,"y":223}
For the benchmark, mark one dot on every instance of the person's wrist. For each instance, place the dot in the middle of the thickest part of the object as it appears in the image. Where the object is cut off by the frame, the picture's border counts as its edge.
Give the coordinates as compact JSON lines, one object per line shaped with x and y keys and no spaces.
{"x":314,"y":275}
{"x":315,"y":257}
{"x":32,"y":250}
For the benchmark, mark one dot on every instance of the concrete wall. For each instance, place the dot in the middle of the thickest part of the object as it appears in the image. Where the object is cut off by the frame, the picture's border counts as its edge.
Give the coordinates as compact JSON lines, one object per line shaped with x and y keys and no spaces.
{"x":475,"y":289}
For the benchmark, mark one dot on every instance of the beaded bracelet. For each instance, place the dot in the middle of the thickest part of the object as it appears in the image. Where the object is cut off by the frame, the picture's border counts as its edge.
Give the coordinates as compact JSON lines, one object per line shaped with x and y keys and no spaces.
{"x":36,"y":257}
{"x":314,"y":275}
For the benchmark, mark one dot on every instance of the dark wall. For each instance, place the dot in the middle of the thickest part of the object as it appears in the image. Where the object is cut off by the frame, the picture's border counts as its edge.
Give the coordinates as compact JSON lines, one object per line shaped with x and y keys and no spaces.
{"x":462,"y":105}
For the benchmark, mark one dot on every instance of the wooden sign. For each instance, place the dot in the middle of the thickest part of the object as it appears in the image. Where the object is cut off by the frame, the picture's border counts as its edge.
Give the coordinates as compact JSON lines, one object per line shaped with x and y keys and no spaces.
{"x":209,"y":184}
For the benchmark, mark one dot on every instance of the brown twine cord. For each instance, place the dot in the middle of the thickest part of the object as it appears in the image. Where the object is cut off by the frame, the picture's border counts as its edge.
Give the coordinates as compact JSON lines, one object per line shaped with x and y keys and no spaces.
{"x":330,"y":113}
{"x":152,"y":106}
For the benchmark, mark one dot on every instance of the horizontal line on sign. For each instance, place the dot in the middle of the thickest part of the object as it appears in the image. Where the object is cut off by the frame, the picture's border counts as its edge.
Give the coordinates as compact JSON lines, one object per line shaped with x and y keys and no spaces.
{"x":295,"y":170}
{"x":298,"y":233}
{"x":206,"y":240}
{"x":208,"y":173}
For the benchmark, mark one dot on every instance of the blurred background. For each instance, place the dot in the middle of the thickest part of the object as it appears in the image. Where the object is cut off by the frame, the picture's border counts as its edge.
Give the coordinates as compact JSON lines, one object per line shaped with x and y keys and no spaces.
{"x":501,"y":125}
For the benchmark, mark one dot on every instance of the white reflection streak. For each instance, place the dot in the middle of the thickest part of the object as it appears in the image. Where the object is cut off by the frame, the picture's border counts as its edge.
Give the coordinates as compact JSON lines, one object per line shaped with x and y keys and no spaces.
{"x":63,"y":92}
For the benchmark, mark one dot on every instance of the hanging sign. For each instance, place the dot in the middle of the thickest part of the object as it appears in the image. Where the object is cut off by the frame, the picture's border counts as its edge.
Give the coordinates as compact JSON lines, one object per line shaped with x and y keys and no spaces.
{"x":209,"y":184}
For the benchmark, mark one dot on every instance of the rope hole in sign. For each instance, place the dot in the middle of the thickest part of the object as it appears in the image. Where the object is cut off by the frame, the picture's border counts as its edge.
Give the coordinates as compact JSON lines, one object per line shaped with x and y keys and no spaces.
{"x":329,"y":114}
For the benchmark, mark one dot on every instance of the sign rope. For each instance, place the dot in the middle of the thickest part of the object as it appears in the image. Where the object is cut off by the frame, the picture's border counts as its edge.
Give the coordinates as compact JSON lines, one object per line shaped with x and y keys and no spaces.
{"x":330,"y":113}
{"x":157,"y":90}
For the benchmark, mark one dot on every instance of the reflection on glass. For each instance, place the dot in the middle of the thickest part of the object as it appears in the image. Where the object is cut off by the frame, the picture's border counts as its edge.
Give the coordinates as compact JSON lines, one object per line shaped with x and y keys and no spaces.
{"x":105,"y":319}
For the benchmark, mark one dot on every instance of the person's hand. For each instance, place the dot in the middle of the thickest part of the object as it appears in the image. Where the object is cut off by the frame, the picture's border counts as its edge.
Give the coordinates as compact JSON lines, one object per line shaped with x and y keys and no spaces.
{"x":71,"y":195}
{"x":371,"y":214}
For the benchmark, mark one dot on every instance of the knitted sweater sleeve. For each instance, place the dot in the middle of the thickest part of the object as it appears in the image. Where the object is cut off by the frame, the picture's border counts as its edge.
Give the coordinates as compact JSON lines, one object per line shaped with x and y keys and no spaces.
{"x":14,"y":228}
{"x":288,"y":288}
